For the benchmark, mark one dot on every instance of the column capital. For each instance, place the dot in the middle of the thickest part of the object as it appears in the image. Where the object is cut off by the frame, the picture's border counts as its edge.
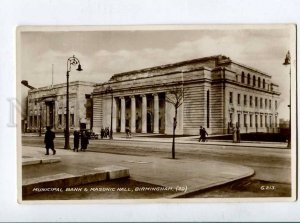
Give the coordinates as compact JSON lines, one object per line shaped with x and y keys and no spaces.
{"x":121,"y":97}
{"x":155,"y":94}
{"x":132,"y":96}
{"x":143,"y":95}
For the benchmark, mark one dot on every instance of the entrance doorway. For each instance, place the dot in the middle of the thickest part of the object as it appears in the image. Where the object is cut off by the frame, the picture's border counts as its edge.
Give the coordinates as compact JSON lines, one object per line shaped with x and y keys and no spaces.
{"x":50,"y":114}
{"x":149,"y":122}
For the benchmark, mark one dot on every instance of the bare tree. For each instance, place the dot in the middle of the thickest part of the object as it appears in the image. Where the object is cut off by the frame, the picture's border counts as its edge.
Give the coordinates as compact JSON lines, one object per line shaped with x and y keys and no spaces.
{"x":175,"y":97}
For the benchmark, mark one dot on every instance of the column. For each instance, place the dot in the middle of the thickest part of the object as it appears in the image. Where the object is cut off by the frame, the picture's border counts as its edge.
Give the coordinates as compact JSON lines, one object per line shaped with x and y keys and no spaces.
{"x":46,"y":116}
{"x":144,"y":113}
{"x":38,"y":119}
{"x":114,"y":114}
{"x":133,"y":114}
{"x":123,"y":122}
{"x":156,"y":114}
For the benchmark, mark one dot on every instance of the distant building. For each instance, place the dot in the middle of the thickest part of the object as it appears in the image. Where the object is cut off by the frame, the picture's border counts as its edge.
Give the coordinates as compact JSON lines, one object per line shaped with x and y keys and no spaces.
{"x":220,"y":94}
{"x":47,"y":106}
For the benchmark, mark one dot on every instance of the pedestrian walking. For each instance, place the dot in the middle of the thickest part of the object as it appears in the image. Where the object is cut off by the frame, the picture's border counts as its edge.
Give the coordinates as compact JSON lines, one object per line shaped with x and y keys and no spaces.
{"x":128,"y":132}
{"x":84,"y":141}
{"x":49,"y":141}
{"x":106,"y":132}
{"x":234,"y":135}
{"x":102,"y":133}
{"x":200,"y":134}
{"x":76,"y":140}
{"x":204,"y":134}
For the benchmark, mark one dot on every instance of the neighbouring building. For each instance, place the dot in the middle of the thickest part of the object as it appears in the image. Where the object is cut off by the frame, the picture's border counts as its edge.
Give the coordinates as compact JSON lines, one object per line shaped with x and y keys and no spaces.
{"x":219,"y":94}
{"x":47,"y":107}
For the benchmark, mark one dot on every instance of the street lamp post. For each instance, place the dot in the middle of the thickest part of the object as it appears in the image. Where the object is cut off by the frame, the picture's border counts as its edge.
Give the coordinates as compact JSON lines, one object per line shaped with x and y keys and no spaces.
{"x":110,"y":90}
{"x":71,"y":61}
{"x":287,"y":61}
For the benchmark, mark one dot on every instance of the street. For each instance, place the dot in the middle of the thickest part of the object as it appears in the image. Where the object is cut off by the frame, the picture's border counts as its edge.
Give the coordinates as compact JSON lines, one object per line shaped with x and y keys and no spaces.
{"x":272,"y":166}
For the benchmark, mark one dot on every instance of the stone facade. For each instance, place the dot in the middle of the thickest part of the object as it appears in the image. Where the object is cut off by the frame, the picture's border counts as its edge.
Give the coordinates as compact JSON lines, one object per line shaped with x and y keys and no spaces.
{"x":219,"y":94}
{"x":47,"y":107}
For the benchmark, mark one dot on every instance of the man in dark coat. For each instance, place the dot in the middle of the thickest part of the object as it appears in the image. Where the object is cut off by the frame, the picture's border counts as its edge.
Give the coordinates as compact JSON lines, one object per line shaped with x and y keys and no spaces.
{"x":49,"y":144}
{"x":204,"y":134}
{"x":84,"y":141}
{"x":102,"y":133}
{"x":200,"y":134}
{"x":76,"y":141}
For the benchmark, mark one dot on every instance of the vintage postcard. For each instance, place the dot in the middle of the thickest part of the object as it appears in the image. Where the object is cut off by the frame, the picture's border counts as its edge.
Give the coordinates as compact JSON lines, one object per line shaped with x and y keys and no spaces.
{"x":156,"y":113}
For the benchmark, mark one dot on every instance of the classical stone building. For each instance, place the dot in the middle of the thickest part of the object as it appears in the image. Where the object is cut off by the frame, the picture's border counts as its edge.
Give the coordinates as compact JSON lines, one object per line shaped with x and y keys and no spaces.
{"x":47,"y":106}
{"x":219,"y":93}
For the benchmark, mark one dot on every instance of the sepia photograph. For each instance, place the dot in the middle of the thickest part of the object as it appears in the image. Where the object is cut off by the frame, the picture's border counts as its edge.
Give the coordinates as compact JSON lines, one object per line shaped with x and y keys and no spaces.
{"x":191,"y":113}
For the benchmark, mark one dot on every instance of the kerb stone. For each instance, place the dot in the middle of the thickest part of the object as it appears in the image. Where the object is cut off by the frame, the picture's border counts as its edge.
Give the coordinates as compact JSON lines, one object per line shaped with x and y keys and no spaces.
{"x":115,"y":172}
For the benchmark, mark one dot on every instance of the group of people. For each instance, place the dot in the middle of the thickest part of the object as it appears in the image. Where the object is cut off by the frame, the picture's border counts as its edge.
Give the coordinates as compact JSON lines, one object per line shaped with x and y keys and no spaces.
{"x":83,"y":137}
{"x":203,"y":134}
{"x":236,"y":134}
{"x":80,"y":137}
{"x":105,"y":133}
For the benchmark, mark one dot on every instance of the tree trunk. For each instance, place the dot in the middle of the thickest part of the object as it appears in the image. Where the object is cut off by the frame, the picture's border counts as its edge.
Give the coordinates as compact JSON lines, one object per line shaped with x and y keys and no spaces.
{"x":173,"y":143}
{"x":174,"y":128}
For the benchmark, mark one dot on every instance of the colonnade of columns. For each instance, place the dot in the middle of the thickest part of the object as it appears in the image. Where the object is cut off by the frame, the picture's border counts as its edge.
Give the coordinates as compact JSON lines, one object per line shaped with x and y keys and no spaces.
{"x":144,"y":111}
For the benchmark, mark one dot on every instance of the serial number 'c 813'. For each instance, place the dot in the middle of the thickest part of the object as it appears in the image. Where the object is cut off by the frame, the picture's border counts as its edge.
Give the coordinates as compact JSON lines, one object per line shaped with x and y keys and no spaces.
{"x":268,"y":187}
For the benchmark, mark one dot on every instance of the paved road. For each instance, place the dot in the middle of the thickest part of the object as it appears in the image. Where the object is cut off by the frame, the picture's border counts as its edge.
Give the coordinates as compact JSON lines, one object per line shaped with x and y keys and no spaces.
{"x":270,"y":165}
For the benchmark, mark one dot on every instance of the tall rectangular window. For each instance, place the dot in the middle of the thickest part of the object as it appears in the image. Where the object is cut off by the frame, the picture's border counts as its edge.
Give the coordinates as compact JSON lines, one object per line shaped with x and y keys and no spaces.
{"x":230,"y":97}
{"x":208,"y":110}
{"x":245,"y":100}
{"x":266,"y":121}
{"x":35,"y":121}
{"x":251,"y":101}
{"x":239,"y":119}
{"x":250,"y":120}
{"x":256,"y":121}
{"x":270,"y":121}
{"x":261,"y":121}
{"x":276,"y":104}
{"x":245,"y":120}
{"x":72,"y":119}
{"x":275,"y":121}
{"x":266,"y":103}
{"x":270,"y":104}
{"x":60,"y":119}
{"x":256,"y":101}
{"x":30,"y":121}
{"x":239,"y":99}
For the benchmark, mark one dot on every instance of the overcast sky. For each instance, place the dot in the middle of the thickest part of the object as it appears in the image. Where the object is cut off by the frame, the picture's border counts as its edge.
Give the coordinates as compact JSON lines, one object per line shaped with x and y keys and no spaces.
{"x":103,"y":53}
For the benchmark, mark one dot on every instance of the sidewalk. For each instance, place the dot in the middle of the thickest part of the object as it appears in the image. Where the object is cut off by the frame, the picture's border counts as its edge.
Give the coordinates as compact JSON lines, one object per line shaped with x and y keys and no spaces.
{"x":187,"y":140}
{"x":188,"y":174}
{"x":194,"y":140}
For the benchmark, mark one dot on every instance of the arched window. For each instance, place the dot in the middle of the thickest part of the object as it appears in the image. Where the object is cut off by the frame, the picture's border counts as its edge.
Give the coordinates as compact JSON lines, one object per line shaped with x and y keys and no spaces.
{"x":264,"y":83}
{"x":258,"y":81}
{"x":243,"y":77}
{"x":248,"y":79}
{"x":254,"y":80}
